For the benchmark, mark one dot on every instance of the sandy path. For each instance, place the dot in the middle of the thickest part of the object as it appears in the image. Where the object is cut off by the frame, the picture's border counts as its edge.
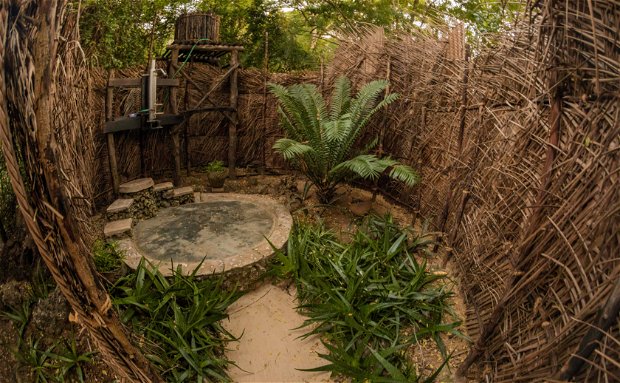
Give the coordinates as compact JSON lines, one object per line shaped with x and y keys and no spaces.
{"x":270,"y":350}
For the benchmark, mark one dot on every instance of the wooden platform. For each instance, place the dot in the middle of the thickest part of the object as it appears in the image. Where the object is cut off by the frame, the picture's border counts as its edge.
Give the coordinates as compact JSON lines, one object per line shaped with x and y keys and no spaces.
{"x":200,"y":50}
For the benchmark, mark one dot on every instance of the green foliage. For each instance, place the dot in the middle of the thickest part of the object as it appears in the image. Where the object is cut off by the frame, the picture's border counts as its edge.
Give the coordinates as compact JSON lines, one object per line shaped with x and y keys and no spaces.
{"x":42,"y":281}
{"x":8,"y":204}
{"x":55,"y":363}
{"x":328,"y":16}
{"x":117,"y":33}
{"x":287,"y":47}
{"x":107,"y":256}
{"x":179,"y":320}
{"x":484,"y":19}
{"x":370,"y":299}
{"x":20,"y":316}
{"x":71,"y":362}
{"x":215,"y":166}
{"x":61,"y":361}
{"x":31,"y":356}
{"x":322,"y":140}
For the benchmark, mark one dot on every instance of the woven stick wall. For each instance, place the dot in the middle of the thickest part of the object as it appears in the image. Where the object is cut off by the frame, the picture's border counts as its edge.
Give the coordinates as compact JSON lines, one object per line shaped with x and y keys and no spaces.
{"x":207,"y":132}
{"x":519,"y":152}
{"x":42,"y":90}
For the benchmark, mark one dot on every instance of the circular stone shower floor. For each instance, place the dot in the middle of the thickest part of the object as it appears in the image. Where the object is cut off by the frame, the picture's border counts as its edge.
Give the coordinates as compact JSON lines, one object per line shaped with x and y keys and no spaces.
{"x":223,"y":231}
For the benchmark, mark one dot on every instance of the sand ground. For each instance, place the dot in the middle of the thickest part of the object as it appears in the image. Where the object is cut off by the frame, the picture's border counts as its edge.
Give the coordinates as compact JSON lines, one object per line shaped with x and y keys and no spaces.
{"x":270,"y":349}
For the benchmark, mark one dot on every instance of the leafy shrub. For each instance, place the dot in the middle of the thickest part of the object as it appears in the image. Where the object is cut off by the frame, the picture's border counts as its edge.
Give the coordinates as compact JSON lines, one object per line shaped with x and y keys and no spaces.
{"x":370,"y":299}
{"x":7,"y":200}
{"x":215,"y":166}
{"x":57,"y":363}
{"x":180,"y":321}
{"x":322,"y":143}
{"x":107,"y":256}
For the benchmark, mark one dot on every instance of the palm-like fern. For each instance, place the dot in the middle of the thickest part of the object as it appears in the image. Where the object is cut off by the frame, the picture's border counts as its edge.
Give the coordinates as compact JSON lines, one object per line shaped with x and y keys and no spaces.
{"x":322,"y":141}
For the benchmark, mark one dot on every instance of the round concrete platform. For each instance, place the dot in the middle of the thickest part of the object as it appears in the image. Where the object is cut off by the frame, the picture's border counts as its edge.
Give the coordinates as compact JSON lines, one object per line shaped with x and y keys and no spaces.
{"x":224,"y":232}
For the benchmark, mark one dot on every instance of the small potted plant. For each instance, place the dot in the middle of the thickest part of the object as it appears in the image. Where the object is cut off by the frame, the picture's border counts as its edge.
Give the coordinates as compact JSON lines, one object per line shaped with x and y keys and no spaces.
{"x":216,"y":174}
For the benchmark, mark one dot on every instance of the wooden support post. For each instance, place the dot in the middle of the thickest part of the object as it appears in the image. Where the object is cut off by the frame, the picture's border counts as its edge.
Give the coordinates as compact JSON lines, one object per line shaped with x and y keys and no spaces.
{"x":263,"y":136}
{"x":176,"y":150}
{"x":232,"y":127}
{"x":186,"y":126}
{"x":109,"y":113}
{"x":141,"y":145}
{"x":192,"y":82}
{"x":174,"y":109}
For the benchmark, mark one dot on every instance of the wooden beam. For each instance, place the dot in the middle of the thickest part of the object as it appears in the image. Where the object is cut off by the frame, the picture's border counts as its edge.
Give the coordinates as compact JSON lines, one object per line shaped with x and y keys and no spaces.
{"x":217,"y":84}
{"x":209,"y":109}
{"x":191,"y":81}
{"x":132,"y":123}
{"x":137,"y":82}
{"x":186,"y":126}
{"x":207,"y":48}
{"x":232,"y":128}
{"x":109,"y":114}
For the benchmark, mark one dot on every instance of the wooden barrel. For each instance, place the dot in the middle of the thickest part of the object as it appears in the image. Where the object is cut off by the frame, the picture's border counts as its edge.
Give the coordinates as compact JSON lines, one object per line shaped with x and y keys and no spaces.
{"x":199,"y":25}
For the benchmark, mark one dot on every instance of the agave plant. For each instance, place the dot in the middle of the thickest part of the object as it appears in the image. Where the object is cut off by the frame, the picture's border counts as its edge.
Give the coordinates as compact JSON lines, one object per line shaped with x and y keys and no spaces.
{"x":323,"y":142}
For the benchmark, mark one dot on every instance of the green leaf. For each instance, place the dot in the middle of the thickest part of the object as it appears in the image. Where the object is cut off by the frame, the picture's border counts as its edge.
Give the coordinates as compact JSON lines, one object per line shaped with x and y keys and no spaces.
{"x":322,"y":143}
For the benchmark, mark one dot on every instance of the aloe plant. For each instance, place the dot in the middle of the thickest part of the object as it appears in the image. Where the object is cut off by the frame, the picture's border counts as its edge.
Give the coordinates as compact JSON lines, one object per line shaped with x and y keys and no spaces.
{"x":323,"y":142}
{"x":179,"y":320}
{"x":370,"y":299}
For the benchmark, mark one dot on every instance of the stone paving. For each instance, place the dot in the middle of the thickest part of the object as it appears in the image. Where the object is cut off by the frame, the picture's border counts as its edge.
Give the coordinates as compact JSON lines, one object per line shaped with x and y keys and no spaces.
{"x":223,"y":232}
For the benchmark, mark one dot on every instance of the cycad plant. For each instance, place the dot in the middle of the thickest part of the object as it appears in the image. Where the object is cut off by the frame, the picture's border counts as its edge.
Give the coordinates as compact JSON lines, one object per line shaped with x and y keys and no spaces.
{"x":322,"y":140}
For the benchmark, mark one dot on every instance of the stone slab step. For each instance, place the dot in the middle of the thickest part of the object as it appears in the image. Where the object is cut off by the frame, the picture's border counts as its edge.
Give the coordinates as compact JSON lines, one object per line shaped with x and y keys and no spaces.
{"x":164,"y":186}
{"x":136,"y":186}
{"x":120,"y":205}
{"x":180,"y":192}
{"x":122,"y":226}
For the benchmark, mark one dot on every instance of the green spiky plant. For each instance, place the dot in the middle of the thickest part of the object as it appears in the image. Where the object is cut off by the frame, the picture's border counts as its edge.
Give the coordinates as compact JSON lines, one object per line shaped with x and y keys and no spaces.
{"x":371,"y":299}
{"x":323,"y":142}
{"x":178,"y":320}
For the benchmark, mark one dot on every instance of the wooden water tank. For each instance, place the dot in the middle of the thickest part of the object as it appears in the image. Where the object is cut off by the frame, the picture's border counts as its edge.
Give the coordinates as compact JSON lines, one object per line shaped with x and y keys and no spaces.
{"x":195,"y":26}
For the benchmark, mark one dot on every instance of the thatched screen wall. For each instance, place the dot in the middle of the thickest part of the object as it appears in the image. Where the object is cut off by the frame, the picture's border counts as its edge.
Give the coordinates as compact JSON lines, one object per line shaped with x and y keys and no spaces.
{"x":519,"y":152}
{"x":207,"y":133}
{"x":519,"y":155}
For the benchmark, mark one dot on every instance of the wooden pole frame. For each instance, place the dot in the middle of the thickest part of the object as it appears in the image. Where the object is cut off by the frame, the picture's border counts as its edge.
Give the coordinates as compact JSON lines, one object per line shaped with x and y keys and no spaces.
{"x":234,"y":121}
{"x":109,"y":115}
{"x":174,"y":109}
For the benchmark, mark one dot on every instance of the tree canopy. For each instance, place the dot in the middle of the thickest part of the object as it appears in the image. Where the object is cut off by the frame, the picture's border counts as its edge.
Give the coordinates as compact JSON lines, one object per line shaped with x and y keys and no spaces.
{"x":297,"y":33}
